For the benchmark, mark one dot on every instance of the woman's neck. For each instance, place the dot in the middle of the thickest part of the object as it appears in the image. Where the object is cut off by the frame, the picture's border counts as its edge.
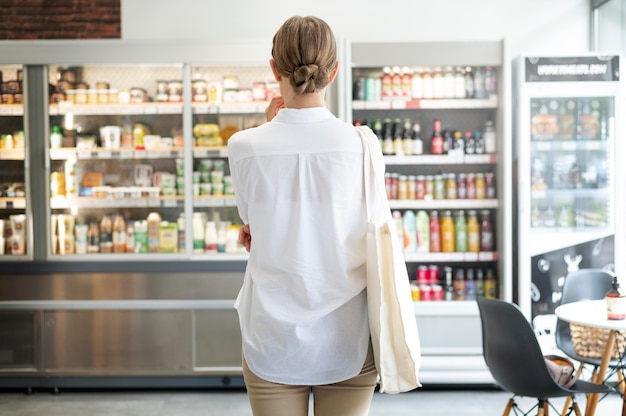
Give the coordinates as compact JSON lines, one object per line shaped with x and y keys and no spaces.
{"x":305,"y":100}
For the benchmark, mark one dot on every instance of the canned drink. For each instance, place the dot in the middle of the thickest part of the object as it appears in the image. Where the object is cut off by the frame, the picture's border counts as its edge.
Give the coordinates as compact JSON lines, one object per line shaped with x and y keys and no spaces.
{"x":423,"y":275}
{"x":370,"y":89}
{"x":433,"y":274}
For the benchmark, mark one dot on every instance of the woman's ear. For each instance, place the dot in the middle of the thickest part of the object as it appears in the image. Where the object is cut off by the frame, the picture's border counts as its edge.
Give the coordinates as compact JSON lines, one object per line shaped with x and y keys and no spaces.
{"x":277,"y":75}
{"x":334,"y":72}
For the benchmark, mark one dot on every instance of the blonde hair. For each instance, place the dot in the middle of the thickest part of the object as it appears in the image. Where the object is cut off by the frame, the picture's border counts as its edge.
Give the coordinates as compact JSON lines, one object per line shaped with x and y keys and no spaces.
{"x":304,"y":50}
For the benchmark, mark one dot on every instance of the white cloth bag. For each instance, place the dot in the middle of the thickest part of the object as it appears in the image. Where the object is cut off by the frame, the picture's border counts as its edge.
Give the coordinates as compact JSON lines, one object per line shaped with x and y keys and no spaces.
{"x":393,"y":327}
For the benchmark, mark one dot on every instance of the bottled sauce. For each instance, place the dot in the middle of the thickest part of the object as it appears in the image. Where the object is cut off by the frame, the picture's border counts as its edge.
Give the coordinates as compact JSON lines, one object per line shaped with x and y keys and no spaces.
{"x":473,"y":232}
{"x":491,"y":284}
{"x":439,"y":187}
{"x":422,"y":224}
{"x":130,"y":238}
{"x":459,"y":284}
{"x":427,"y":83}
{"x":435,"y":232}
{"x":154,"y":229}
{"x":438,"y":83}
{"x":141,"y":236}
{"x":447,"y":233}
{"x":418,"y":143}
{"x":407,"y":138}
{"x":119,"y":234}
{"x":403,"y":187}
{"x":459,"y":82}
{"x":93,"y":238}
{"x":106,"y":234}
{"x":410,"y":231}
{"x":480,"y":283}
{"x":470,"y":285}
{"x":388,"y":137}
{"x":56,"y":137}
{"x":210,"y":237}
{"x":460,"y":229}
{"x":398,"y":142}
{"x":479,"y":82}
{"x":451,"y":188}
{"x":480,"y":185}
{"x":479,"y":143}
{"x":417,"y":87}
{"x":486,"y":232}
{"x":491,"y":186}
{"x":436,"y":141}
{"x":489,"y":135}
{"x":615,"y":302}
{"x":469,"y":83}
{"x":461,"y":186}
{"x":448,"y":285}
{"x":470,"y":143}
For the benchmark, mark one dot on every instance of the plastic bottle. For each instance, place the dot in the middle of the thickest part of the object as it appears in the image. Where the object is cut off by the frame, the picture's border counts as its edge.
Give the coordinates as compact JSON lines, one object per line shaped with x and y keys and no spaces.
{"x":480,"y":283}
{"x":141,"y":236}
{"x":56,"y":137}
{"x":491,"y":284}
{"x":448,"y":286}
{"x":615,"y":302}
{"x":489,"y":135}
{"x":93,"y":238}
{"x":154,"y":227}
{"x":106,"y":234}
{"x":407,"y":138}
{"x":473,"y":232}
{"x":459,"y":284}
{"x":119,"y":234}
{"x":436,"y":141}
{"x":130,"y":238}
{"x":417,"y":87}
{"x":422,"y":221}
{"x":210,"y":237}
{"x":479,"y":83}
{"x":459,"y":82}
{"x":460,"y":229}
{"x":198,"y":232}
{"x":470,"y":285}
{"x":486,"y":232}
{"x":181,"y":232}
{"x":435,"y":232}
{"x":447,"y":233}
{"x":410,"y":231}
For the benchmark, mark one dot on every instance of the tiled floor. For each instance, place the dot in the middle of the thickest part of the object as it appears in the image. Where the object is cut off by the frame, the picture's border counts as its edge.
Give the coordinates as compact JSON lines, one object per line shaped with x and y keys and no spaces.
{"x":424,"y":402}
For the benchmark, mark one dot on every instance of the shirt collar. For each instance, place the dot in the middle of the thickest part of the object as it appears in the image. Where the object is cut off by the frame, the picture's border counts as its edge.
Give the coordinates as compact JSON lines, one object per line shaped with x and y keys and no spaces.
{"x":303,"y":115}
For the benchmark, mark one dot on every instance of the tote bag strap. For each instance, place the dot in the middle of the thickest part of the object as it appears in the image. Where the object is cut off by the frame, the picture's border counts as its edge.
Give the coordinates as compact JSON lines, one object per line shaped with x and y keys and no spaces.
{"x":369,"y":168}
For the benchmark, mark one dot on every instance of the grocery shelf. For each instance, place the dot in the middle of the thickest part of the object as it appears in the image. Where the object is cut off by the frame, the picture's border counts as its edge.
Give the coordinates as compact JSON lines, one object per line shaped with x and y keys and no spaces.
{"x":450,"y":257}
{"x":11,"y":154}
{"x":443,"y":203}
{"x":92,"y":202}
{"x":255,"y":107}
{"x":13,"y":203}
{"x":11,"y":110}
{"x":447,"y":159}
{"x":101,"y":153}
{"x":64,"y":107}
{"x":214,"y":201}
{"x":221,"y":151}
{"x":435,"y":104}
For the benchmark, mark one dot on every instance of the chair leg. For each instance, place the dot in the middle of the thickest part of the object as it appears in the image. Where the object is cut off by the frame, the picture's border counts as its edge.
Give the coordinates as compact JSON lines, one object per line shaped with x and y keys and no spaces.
{"x":542,"y":408}
{"x":620,"y":377}
{"x":576,"y":409}
{"x":509,"y":406}
{"x":568,"y":400}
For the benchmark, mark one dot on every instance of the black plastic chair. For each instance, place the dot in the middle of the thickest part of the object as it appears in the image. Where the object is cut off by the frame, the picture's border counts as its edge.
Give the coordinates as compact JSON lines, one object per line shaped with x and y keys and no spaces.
{"x":516,"y":362}
{"x":590,"y":284}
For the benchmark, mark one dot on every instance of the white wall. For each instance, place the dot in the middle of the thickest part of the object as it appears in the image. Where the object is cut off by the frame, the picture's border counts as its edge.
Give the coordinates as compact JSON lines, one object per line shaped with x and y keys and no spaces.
{"x":530,"y":26}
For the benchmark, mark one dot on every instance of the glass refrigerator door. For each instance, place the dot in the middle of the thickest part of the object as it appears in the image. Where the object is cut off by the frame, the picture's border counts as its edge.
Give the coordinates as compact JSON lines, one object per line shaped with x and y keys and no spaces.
{"x":571,"y":169}
{"x":116,"y":160}
{"x":14,"y":240}
{"x":225,"y":99}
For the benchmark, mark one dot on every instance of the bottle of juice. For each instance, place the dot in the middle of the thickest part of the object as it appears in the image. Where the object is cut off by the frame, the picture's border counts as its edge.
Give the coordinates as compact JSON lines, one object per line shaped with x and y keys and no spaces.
{"x":460,"y":227}
{"x":141,"y":236}
{"x":422,"y":221}
{"x":473,"y":232}
{"x":106,"y":234}
{"x":93,"y":238}
{"x":491,"y":284}
{"x":410,"y":231}
{"x":486,"y":232}
{"x":470,"y":285}
{"x":435,"y":232}
{"x":154,"y":228}
{"x":210,"y":237}
{"x":119,"y":234}
{"x":458,"y":284}
{"x":447,"y":232}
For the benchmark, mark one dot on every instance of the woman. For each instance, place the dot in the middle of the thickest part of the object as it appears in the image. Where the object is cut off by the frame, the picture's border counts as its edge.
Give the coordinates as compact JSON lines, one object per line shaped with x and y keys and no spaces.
{"x":298,"y":182}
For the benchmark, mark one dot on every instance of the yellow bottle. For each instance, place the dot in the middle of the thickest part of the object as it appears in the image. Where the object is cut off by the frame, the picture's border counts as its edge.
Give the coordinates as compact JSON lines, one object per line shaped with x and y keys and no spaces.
{"x":447,"y":233}
{"x":473,"y":232}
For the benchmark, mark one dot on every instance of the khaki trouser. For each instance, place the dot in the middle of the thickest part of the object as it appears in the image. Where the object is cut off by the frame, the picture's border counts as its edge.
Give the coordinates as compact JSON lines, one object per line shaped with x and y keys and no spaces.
{"x":351,"y":397}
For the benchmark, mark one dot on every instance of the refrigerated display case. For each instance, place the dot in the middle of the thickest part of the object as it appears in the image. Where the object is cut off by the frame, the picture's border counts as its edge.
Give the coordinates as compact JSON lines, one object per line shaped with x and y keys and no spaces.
{"x":405,"y":92}
{"x":165,"y":302}
{"x":567,"y":124}
{"x":15,"y":238}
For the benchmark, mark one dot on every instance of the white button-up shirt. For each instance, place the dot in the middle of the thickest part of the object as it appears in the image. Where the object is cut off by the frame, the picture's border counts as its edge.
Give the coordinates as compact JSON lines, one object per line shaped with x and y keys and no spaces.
{"x":298,"y":182}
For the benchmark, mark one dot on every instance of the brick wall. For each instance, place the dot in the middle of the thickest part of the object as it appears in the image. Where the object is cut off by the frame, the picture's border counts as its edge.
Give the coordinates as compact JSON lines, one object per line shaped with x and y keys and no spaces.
{"x":60,"y":19}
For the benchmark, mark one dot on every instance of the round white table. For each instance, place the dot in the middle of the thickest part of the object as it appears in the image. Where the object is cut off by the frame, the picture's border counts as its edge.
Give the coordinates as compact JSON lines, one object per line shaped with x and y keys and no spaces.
{"x":593,"y":313}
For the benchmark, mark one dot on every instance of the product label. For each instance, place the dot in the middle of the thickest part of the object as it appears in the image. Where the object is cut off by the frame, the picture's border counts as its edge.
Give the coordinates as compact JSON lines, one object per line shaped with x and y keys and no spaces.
{"x":616,"y":307}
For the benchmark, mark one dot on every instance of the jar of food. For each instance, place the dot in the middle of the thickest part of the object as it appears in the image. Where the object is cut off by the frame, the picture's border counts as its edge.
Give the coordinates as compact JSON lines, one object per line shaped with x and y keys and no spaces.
{"x":80,"y":96}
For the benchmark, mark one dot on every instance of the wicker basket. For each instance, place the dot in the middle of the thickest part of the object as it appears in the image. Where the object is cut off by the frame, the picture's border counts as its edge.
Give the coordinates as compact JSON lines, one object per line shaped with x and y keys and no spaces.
{"x":589,"y":342}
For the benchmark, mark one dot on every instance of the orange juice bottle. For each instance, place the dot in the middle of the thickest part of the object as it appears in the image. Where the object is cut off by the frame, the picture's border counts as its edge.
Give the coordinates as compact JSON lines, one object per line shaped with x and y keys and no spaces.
{"x":473,"y":232}
{"x":447,"y":232}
